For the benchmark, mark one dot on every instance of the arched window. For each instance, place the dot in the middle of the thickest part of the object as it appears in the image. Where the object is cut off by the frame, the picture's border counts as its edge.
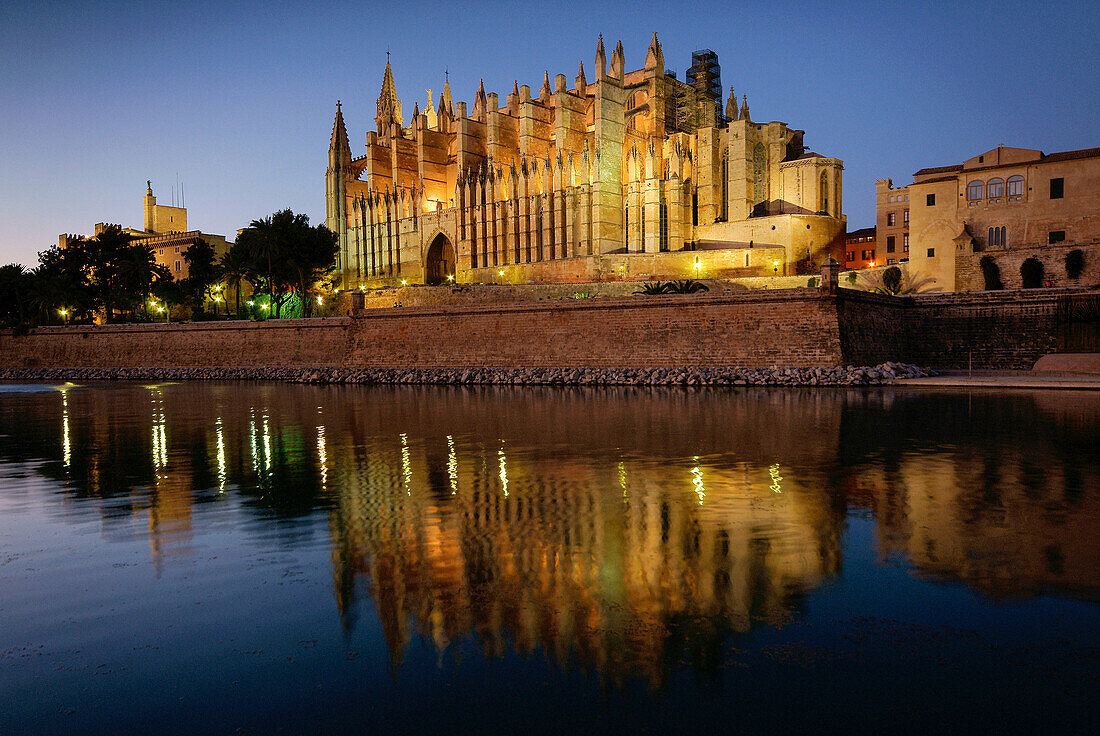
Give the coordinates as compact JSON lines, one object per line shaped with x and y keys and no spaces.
{"x":824,"y":193}
{"x":1015,"y":187}
{"x":975,"y":190}
{"x":724,"y":207}
{"x":995,"y":188}
{"x":759,"y":173}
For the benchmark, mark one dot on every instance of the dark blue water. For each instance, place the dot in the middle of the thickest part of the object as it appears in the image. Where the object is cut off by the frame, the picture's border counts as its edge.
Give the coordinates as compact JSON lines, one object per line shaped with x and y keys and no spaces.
{"x":265,"y":558}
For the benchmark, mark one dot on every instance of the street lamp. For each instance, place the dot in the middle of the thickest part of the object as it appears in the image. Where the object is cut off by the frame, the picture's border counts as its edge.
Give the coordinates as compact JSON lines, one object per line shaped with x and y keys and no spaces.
{"x":775,"y":268}
{"x":64,"y":314}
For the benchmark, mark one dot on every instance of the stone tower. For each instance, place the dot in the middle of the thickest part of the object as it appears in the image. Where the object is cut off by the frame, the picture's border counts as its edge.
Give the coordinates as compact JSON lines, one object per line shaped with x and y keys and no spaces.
{"x":339,"y":169}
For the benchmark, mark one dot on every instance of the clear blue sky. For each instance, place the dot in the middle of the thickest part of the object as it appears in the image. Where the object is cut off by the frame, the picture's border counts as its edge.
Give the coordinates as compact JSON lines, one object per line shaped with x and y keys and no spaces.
{"x":238,"y":98}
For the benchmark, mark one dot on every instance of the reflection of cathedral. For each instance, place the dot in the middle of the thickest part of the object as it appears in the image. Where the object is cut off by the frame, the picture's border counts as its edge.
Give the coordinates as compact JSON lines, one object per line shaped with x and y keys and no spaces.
{"x":624,"y":544}
{"x":601,"y":561}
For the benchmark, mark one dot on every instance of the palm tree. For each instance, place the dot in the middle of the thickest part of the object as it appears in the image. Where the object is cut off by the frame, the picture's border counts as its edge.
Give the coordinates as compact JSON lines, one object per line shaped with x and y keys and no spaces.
{"x":14,"y":287}
{"x":237,"y":268}
{"x":138,"y":271}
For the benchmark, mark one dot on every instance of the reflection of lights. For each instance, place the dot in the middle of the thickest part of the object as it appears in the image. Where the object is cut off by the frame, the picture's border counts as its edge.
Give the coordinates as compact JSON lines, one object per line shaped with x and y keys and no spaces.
{"x":160,"y":439}
{"x":267,"y":443}
{"x":622,"y":477}
{"x":404,"y":282}
{"x":503,"y":469}
{"x":252,"y":440}
{"x":452,"y":464}
{"x":406,"y":464}
{"x":66,"y":442}
{"x":322,"y":456}
{"x":222,"y":475}
{"x":774,"y":472}
{"x":697,"y":481}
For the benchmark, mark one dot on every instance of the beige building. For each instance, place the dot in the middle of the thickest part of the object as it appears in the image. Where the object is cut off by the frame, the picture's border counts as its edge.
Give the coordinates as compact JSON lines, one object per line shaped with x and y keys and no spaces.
{"x":165,"y":231}
{"x":545,"y":185}
{"x":891,"y":223}
{"x":1009,"y":204}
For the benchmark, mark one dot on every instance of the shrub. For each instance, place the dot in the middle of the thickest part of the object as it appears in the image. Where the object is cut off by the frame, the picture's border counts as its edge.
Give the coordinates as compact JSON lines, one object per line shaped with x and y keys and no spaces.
{"x":852,"y":277}
{"x":655,"y":288}
{"x":811,"y":282}
{"x":991,"y":272}
{"x":687,"y":286}
{"x":1075,"y":263}
{"x":891,"y":280}
{"x":1031,"y":272}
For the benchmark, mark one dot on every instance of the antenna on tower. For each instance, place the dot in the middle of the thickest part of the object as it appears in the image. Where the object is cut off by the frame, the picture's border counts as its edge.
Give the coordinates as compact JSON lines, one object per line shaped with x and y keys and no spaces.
{"x":183,"y":197}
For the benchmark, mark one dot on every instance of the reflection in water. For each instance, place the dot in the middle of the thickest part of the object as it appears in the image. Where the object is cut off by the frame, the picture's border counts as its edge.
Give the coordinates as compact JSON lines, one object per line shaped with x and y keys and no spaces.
{"x":622,"y":531}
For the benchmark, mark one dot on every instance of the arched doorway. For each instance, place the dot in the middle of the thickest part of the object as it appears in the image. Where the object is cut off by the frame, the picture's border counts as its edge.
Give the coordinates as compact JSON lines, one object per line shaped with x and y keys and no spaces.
{"x":440,"y":261}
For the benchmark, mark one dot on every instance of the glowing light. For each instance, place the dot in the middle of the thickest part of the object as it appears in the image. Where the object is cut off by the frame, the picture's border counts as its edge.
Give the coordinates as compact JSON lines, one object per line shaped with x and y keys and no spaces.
{"x":775,"y":264}
{"x":697,"y":265}
{"x":503,"y":469}
{"x":622,"y":478}
{"x":452,"y":464}
{"x":406,"y":464}
{"x":450,"y":277}
{"x":697,"y":481}
{"x":66,"y":442}
{"x":217,"y":298}
{"x":160,"y":309}
{"x":774,"y":472}
{"x":264,"y":306}
{"x":362,"y":288}
{"x":500,"y":273}
{"x":252,"y":435}
{"x":322,"y":456}
{"x":320,"y":300}
{"x":250,"y":303}
{"x":223,"y":476}
{"x":63,"y":312}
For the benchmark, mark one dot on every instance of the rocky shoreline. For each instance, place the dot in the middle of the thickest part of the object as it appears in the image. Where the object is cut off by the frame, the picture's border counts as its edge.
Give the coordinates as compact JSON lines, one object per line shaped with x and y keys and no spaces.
{"x":685,"y":376}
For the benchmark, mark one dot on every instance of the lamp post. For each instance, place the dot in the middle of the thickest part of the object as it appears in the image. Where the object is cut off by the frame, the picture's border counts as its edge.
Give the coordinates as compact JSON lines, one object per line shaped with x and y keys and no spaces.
{"x":775,"y":268}
{"x":64,"y":315}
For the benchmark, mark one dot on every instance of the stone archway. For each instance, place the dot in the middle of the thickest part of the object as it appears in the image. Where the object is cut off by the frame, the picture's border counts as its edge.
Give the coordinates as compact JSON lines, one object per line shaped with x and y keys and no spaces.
{"x":439,"y":264}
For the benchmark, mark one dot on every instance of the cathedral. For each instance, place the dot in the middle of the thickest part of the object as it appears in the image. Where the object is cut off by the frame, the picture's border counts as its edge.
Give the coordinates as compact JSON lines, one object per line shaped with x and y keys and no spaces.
{"x":632,"y":174}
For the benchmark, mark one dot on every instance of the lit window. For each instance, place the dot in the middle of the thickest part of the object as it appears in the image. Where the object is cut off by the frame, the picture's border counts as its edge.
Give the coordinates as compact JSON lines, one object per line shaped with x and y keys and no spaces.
{"x":905,"y":242}
{"x":975,"y":190}
{"x":891,"y":218}
{"x":1015,"y":186}
{"x":995,"y":188}
{"x":905,"y":216}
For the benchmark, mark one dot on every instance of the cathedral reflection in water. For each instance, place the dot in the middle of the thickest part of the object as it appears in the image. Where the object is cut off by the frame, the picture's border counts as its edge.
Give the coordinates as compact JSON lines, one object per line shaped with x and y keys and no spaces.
{"x":618,"y":530}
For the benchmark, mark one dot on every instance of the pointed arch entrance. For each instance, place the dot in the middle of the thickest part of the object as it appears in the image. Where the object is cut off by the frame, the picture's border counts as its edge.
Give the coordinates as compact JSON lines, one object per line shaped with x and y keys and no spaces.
{"x":439,"y":264}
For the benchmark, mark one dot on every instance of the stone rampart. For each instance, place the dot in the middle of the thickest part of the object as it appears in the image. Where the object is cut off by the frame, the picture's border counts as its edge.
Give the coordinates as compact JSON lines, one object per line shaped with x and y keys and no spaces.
{"x":788,"y":328}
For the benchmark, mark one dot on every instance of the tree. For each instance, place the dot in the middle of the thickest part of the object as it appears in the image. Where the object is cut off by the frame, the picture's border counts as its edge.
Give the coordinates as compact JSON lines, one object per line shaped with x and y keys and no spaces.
{"x":137,"y":273}
{"x":14,"y":294}
{"x":290,"y":255}
{"x":236,"y":269}
{"x":202,"y":274}
{"x":1031,"y":272}
{"x":891,"y":280}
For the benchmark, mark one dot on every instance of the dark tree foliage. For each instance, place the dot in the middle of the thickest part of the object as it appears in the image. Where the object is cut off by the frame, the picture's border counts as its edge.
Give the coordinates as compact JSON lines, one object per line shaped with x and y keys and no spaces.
{"x":991,"y":272}
{"x":1075,"y":263}
{"x":891,"y":280}
{"x":289,"y":257}
{"x":202,"y":275}
{"x":1031,"y":272}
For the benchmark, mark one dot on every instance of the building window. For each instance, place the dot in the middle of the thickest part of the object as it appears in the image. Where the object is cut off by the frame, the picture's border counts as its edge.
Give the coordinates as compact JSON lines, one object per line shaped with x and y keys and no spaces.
{"x":663,"y":244}
{"x":996,"y":188}
{"x":891,"y":261}
{"x":1057,"y":188}
{"x":975,"y":190}
{"x":824,"y":193}
{"x":889,"y":243}
{"x":1015,"y":188}
{"x":905,"y":242}
{"x":931,"y":252}
{"x":851,"y":255}
{"x":725,"y":187}
{"x":694,"y":206}
{"x":905,"y":217}
{"x":930,"y":200}
{"x":891,"y":218}
{"x":1056,"y":236}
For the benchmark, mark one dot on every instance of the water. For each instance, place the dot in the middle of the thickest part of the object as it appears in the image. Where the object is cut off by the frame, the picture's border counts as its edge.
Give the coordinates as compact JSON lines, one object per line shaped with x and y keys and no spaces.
{"x":254,"y":558}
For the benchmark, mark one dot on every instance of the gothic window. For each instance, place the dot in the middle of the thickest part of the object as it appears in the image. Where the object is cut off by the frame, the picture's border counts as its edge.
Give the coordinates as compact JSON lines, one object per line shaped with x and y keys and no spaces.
{"x":975,"y":190}
{"x":995,"y":188}
{"x":1015,"y":187}
{"x":663,"y":245}
{"x":759,"y":172}
{"x":694,"y":206}
{"x":824,"y":193}
{"x":724,"y":207}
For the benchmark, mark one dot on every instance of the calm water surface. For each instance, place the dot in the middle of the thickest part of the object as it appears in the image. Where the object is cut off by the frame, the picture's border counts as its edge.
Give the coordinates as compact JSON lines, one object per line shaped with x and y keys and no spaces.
{"x":255,"y":558}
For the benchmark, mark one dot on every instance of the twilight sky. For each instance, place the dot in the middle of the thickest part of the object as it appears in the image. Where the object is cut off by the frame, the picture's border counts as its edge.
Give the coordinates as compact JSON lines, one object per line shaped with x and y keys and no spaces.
{"x":238,"y":98}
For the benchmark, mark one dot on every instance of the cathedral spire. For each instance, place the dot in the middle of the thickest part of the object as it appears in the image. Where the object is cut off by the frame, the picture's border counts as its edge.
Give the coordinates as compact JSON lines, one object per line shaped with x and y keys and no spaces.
{"x":480,"y":103}
{"x":731,"y":107}
{"x":653,"y":53}
{"x":618,"y":62}
{"x":601,"y":60}
{"x":339,"y":140}
{"x":447,"y":95}
{"x":745,"y":107}
{"x":544,"y":93}
{"x":389,"y":106}
{"x":582,"y":83}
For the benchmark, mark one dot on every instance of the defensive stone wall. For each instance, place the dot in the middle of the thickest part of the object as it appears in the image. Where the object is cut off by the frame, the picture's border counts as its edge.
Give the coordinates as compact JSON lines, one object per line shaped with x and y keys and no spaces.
{"x":299,"y":342}
{"x":787,"y":328}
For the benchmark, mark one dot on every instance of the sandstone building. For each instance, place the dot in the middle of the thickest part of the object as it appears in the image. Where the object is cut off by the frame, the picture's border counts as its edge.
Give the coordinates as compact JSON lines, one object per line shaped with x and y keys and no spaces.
{"x":1009,"y":204}
{"x":165,"y":231}
{"x":634,"y":174}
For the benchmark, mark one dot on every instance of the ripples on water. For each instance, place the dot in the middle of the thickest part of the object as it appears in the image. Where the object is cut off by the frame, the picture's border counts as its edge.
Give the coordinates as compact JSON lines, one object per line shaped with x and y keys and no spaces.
{"x":199,"y":558}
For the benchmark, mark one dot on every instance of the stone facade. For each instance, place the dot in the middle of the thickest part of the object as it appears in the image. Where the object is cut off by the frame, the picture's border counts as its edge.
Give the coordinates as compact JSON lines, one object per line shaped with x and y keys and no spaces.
{"x":891,"y":223}
{"x":1011,"y":204}
{"x":632,"y":164}
{"x":165,"y":232}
